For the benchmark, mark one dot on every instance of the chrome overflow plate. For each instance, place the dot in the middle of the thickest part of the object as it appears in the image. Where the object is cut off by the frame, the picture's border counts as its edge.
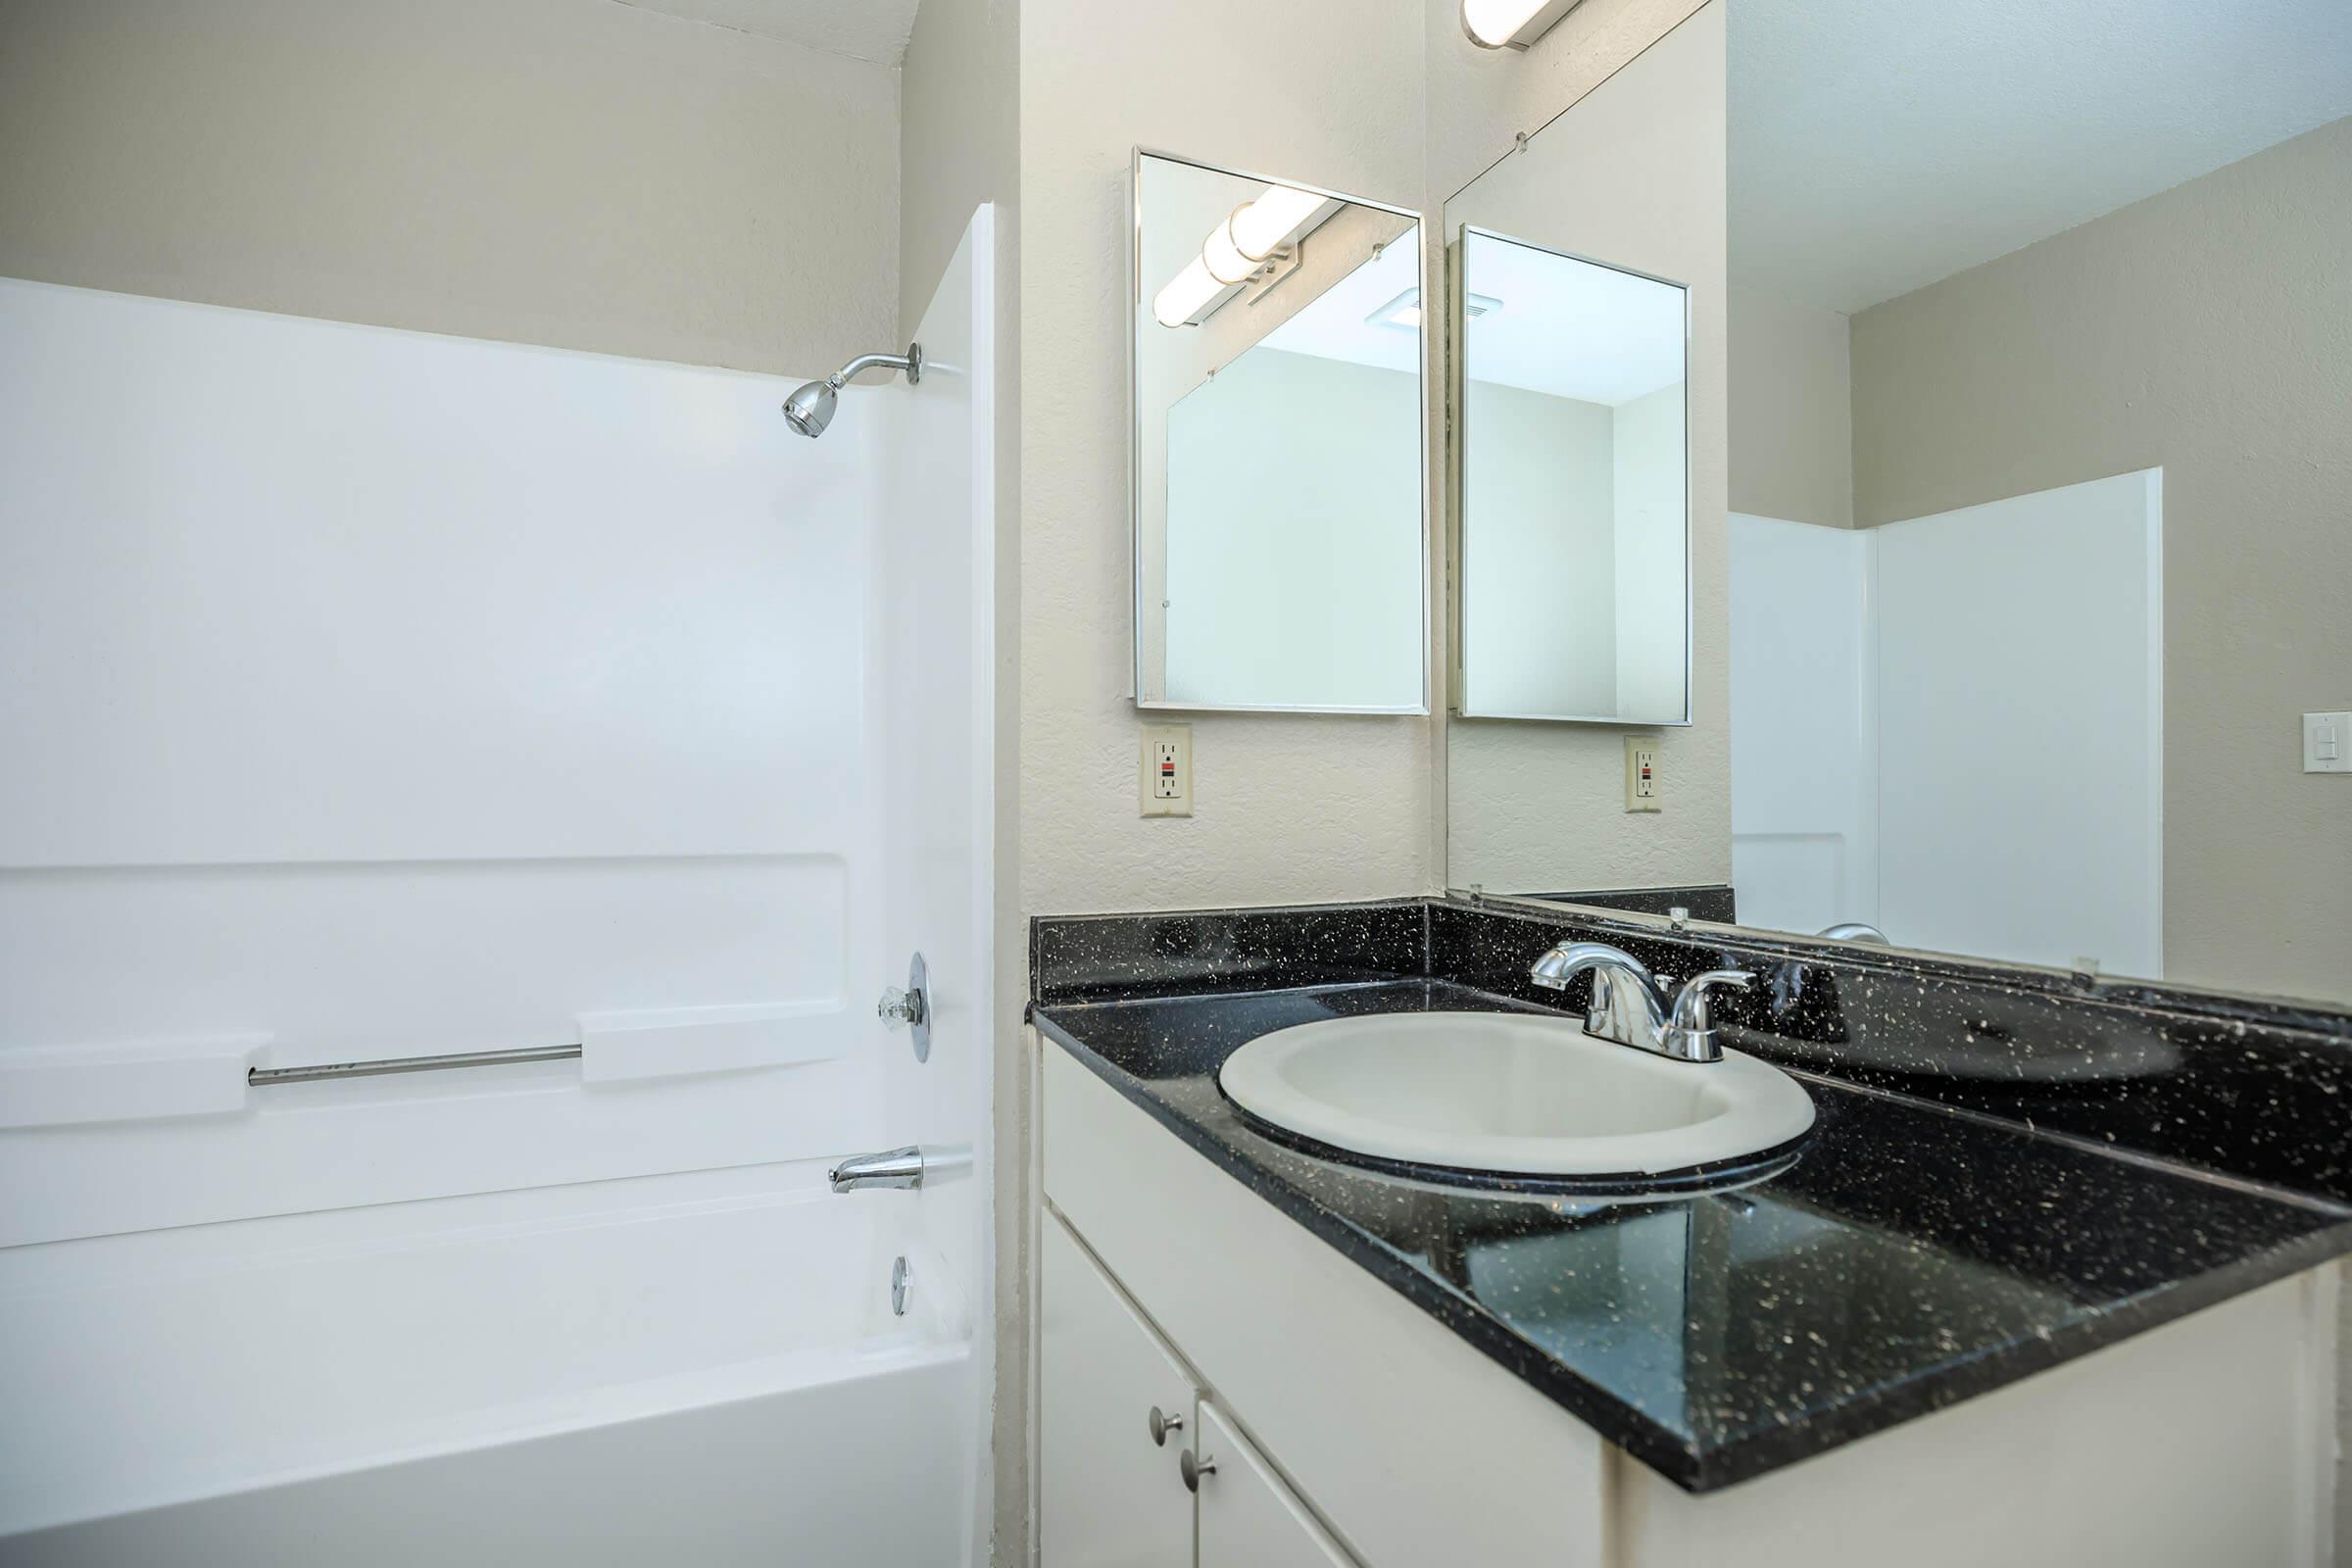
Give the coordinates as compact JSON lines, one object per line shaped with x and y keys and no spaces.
{"x":910,"y":1007}
{"x":901,"y":1277}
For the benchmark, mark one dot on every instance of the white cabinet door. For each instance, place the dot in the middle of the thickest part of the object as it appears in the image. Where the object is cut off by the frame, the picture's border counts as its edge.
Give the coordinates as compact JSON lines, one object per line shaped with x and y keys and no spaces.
{"x":1249,"y":1519}
{"x":1107,"y":1496}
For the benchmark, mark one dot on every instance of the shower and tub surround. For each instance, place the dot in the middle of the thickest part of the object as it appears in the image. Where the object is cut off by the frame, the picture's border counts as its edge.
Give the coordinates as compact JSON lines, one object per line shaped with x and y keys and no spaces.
{"x":2154,"y":1180}
{"x":588,"y":1298}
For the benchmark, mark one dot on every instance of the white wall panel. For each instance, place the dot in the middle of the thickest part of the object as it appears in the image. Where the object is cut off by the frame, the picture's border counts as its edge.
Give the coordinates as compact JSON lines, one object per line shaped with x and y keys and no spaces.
{"x":1805,"y":725}
{"x":1951,"y":727}
{"x":289,"y":590}
{"x":373,"y":693}
{"x":2021,"y":722}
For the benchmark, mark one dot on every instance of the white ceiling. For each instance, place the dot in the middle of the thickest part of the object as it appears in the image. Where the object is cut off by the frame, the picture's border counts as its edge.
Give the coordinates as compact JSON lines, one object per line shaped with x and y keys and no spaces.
{"x":861,"y":29}
{"x":1333,"y":327}
{"x":1880,"y":145}
{"x":1571,"y":328}
{"x":1565,"y":327}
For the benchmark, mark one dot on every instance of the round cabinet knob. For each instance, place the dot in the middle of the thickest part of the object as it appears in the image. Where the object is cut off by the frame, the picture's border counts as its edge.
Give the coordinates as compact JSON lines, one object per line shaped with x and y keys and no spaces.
{"x":1193,"y":1469}
{"x":1161,"y":1425}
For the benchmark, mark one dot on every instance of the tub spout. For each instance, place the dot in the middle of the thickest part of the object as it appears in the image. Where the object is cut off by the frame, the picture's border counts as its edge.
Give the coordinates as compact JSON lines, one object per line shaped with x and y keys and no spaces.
{"x":895,"y":1167}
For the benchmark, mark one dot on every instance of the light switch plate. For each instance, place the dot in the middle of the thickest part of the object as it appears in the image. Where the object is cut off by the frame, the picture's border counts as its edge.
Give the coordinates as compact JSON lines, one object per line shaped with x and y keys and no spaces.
{"x":1641,"y":773}
{"x":1165,"y":775}
{"x":2327,"y":743}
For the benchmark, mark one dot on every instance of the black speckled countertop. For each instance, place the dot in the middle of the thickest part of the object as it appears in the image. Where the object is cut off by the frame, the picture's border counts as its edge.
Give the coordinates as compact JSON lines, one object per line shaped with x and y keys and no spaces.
{"x":1914,"y":1255}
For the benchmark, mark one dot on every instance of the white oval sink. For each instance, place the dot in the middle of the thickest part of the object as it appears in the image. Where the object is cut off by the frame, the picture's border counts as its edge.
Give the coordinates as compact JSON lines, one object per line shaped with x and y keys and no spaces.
{"x":1511,"y":1092}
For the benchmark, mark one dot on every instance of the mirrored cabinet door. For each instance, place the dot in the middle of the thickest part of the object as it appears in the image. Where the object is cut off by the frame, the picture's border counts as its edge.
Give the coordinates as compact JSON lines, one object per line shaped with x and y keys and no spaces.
{"x":1572,"y":543}
{"x":1588,"y":747}
{"x":1280,"y":555}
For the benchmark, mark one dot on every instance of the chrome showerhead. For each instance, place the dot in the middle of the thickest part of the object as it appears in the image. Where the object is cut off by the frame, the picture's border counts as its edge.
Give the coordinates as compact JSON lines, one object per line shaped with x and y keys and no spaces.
{"x":809,"y":409}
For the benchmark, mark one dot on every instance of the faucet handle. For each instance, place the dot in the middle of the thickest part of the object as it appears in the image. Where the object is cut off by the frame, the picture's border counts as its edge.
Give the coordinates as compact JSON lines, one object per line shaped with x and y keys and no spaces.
{"x":1691,"y":1004}
{"x":910,"y":1007}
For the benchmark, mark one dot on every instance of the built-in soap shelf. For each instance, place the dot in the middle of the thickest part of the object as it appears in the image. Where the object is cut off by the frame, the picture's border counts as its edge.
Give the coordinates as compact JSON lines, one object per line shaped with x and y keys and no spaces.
{"x":215,"y":1075}
{"x":56,"y":1086}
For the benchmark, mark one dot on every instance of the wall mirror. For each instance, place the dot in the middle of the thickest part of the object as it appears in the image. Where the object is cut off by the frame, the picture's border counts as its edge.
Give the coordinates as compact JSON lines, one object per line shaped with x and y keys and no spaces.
{"x":1280,"y":541}
{"x":2017,"y":631}
{"x":1571,"y":544}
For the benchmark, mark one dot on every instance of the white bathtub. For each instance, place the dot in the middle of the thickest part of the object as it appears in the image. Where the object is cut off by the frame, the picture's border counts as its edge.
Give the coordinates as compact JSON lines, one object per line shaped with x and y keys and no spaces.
{"x":709,"y":1373}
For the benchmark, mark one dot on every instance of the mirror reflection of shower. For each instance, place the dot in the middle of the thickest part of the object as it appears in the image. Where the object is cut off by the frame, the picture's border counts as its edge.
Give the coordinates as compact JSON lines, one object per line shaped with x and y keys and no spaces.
{"x":809,"y":409}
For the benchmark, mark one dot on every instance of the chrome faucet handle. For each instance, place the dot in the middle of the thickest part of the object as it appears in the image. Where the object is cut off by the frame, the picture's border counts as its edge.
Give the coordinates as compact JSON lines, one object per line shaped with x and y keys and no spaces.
{"x":1690,"y":1003}
{"x":1690,"y":1028}
{"x":910,"y":1007}
{"x":1690,"y":1033}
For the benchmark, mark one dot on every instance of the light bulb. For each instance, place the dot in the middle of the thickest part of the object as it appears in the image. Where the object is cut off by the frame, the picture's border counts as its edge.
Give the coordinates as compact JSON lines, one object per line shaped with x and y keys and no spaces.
{"x":1184,"y":295}
{"x":1260,"y":228}
{"x":1512,"y":24}
{"x":1223,"y":257}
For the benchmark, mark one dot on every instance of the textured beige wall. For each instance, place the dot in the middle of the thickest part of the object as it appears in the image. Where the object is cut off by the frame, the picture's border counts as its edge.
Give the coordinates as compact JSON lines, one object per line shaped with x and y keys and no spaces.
{"x":1285,"y":807}
{"x":1793,"y":400}
{"x":570,"y":172}
{"x":2207,"y":330}
{"x":1633,"y":174}
{"x":960,"y":141}
{"x":960,"y":146}
{"x":1479,"y":99}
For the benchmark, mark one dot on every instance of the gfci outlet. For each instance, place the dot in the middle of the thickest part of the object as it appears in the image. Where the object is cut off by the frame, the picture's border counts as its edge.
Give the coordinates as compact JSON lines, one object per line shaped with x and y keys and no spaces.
{"x":1167,"y":770}
{"x":1641,"y":774}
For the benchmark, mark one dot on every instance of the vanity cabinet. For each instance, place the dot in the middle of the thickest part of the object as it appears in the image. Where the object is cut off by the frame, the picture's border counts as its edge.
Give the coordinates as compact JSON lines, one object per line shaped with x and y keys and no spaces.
{"x":1137,"y":1470}
{"x":1345,"y":1424}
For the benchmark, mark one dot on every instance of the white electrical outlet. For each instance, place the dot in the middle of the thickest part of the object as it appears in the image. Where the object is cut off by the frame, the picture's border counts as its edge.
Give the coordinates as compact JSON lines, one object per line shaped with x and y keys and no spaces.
{"x":2327,"y":743}
{"x":1167,"y":770}
{"x":1641,"y":773}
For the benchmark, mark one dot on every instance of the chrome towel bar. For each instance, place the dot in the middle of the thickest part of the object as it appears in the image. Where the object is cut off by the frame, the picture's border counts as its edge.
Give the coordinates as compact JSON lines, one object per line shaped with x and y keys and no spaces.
{"x":263,"y":1077}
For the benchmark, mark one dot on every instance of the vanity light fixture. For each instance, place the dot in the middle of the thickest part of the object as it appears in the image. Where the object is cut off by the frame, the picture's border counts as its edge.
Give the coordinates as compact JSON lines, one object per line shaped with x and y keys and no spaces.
{"x":1512,"y":24}
{"x":1250,"y":245}
{"x":1405,"y":311}
{"x":1222,"y":255}
{"x":1191,"y":297}
{"x":1280,"y":215}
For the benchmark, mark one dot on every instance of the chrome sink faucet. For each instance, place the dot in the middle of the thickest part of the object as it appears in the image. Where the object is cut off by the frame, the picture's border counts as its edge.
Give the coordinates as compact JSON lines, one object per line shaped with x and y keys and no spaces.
{"x":1633,"y":1006}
